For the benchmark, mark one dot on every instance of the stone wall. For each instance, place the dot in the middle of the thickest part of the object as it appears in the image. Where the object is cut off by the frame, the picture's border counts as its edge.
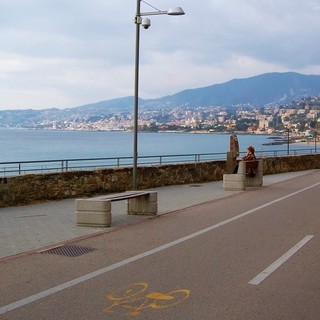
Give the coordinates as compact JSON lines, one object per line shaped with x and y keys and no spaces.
{"x":27,"y":189}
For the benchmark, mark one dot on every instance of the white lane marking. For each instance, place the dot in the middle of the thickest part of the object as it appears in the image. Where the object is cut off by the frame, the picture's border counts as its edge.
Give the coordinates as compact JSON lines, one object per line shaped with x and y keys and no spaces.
{"x":66,"y":285}
{"x":274,"y":266}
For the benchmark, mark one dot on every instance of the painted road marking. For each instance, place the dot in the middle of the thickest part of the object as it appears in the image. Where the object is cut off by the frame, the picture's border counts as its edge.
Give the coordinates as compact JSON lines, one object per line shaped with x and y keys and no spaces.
{"x":94,"y":274}
{"x":274,"y":266}
{"x":135,"y":299}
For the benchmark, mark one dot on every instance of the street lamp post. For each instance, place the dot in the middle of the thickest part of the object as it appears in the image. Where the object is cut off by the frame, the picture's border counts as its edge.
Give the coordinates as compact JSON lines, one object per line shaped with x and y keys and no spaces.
{"x":145,"y":22}
{"x":288,"y":141}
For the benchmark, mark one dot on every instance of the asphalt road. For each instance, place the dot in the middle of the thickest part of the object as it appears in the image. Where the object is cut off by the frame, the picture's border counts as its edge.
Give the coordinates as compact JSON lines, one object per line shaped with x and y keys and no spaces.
{"x":253,"y":255}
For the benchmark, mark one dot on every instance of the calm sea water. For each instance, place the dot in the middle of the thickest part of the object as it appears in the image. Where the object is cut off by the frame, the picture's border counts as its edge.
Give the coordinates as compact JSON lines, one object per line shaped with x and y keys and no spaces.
{"x":24,"y":145}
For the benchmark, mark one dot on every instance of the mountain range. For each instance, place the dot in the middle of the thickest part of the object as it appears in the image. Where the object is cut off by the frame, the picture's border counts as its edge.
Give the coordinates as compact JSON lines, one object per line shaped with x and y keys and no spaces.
{"x":269,"y":88}
{"x":261,"y":90}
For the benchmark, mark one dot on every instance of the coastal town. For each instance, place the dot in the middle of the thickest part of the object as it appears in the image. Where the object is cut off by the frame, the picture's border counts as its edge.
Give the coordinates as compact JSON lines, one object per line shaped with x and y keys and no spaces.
{"x":297,"y":121}
{"x":300,"y":119}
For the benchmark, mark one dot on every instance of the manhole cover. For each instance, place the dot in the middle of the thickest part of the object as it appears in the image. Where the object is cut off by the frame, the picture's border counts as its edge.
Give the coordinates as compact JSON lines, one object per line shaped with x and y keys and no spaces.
{"x":69,"y":250}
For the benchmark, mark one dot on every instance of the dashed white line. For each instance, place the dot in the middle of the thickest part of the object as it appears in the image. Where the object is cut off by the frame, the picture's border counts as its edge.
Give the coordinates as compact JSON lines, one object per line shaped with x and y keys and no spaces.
{"x":274,"y":266}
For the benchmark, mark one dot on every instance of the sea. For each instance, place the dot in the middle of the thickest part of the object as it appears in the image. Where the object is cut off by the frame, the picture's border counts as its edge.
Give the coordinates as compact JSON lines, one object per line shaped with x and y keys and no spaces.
{"x":34,"y":145}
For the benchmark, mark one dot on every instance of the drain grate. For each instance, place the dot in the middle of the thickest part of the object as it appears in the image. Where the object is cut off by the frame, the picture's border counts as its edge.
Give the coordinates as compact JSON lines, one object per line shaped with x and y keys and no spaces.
{"x":195,"y":185}
{"x":69,"y":250}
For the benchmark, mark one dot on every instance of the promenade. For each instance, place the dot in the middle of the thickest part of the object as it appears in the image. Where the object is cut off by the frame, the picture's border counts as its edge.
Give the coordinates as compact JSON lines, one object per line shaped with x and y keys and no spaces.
{"x":26,"y":229}
{"x":209,"y":254}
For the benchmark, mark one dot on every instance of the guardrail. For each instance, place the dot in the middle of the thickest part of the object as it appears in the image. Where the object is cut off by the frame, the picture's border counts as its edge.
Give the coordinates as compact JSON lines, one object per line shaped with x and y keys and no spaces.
{"x":61,"y":165}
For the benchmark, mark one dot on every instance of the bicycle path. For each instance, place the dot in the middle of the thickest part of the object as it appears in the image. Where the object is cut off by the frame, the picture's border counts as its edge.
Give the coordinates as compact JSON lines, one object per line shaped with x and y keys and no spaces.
{"x":195,"y":263}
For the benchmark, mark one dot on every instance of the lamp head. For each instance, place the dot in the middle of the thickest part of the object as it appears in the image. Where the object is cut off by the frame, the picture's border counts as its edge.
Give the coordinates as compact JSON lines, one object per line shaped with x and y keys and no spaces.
{"x":177,"y":11}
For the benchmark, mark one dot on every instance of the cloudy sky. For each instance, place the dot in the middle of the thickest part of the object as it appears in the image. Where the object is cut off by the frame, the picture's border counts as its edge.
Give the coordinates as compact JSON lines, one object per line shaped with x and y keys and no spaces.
{"x":66,"y":53}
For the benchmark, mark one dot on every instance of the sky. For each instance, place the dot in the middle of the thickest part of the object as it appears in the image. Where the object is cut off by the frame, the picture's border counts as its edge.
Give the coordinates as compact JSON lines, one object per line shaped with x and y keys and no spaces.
{"x":67,"y":53}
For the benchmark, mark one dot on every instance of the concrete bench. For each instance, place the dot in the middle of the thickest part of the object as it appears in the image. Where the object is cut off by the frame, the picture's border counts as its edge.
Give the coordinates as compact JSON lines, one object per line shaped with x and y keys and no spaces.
{"x":96,"y":212}
{"x":250,"y":174}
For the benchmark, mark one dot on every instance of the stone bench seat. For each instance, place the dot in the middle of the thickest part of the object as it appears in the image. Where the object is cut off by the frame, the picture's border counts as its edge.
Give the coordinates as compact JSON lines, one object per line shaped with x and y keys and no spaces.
{"x":250,"y":174}
{"x":96,"y":212}
{"x":252,"y":167}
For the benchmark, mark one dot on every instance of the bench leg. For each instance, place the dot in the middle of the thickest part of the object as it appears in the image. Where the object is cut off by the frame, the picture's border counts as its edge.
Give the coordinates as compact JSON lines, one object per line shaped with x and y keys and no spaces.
{"x":91,"y":213}
{"x":234,"y":182}
{"x":143,"y":205}
{"x":257,"y":180}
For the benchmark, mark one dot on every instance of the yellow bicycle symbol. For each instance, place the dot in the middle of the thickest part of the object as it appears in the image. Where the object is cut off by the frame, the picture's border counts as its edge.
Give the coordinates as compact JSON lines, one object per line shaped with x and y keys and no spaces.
{"x":133,"y":298}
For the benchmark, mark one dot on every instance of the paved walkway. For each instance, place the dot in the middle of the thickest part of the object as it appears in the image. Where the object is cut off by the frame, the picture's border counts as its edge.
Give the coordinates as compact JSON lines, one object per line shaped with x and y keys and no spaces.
{"x":32,"y":227}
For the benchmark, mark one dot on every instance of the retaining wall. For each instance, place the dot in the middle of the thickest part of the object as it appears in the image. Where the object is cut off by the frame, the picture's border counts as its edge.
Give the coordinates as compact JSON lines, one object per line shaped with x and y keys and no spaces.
{"x":27,"y":189}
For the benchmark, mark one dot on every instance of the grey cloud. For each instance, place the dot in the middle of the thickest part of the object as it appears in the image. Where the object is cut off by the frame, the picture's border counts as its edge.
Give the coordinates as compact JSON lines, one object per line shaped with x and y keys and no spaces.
{"x":67,"y":46}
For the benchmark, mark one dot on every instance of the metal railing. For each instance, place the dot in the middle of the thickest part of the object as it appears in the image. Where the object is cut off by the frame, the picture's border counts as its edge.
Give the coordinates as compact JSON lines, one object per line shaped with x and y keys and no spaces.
{"x":61,"y":165}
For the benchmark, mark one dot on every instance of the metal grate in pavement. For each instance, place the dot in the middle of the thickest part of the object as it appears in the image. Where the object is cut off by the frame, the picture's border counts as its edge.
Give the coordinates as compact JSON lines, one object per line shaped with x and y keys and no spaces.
{"x":69,"y":250}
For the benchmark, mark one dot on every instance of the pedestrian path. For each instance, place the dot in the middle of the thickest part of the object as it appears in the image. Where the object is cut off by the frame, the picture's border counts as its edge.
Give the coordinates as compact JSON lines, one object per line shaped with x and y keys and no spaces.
{"x":27,"y":228}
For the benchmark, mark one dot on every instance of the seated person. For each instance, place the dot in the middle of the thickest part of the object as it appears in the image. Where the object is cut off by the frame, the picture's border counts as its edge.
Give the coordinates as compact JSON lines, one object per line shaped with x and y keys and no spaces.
{"x":249,"y":156}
